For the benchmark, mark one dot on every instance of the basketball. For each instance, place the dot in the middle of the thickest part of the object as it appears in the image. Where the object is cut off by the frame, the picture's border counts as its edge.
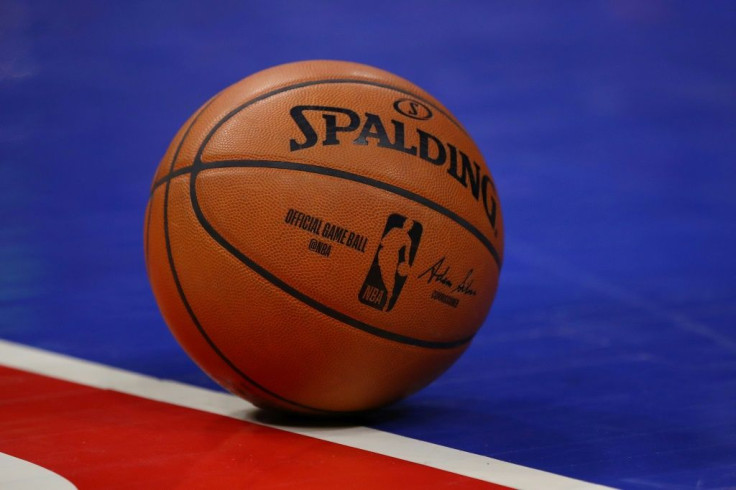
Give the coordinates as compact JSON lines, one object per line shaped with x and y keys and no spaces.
{"x":323,"y":237}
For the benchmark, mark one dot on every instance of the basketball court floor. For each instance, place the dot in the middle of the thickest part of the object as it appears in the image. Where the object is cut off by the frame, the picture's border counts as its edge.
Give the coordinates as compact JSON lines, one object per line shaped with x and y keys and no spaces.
{"x":608,"y":358}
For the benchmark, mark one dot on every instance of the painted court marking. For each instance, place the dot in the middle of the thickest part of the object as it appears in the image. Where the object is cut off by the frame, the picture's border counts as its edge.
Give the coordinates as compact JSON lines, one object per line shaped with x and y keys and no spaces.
{"x":104,"y":377}
{"x":16,"y":474}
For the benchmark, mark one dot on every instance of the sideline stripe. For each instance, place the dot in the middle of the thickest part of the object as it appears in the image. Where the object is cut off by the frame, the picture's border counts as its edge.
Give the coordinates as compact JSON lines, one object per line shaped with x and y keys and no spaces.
{"x":114,"y":441}
{"x":460,"y":462}
{"x":17,"y":474}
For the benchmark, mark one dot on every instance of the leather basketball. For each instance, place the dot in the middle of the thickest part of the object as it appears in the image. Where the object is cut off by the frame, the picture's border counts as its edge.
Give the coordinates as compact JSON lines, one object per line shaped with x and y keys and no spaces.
{"x":323,"y":237}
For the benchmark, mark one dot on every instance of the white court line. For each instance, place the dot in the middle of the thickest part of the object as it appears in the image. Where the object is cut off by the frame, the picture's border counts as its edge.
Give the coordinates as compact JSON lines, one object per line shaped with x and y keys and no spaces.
{"x":17,"y":474}
{"x":455,"y":461}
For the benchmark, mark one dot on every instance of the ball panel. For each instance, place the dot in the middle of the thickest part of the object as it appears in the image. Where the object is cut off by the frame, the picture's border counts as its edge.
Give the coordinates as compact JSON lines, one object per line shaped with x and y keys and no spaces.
{"x":182,"y":324}
{"x":326,"y":247}
{"x":277,"y":340}
{"x":174,"y":310}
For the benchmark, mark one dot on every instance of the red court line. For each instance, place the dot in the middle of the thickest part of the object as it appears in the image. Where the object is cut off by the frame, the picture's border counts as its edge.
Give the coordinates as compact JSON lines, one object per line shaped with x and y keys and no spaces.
{"x":106,"y":439}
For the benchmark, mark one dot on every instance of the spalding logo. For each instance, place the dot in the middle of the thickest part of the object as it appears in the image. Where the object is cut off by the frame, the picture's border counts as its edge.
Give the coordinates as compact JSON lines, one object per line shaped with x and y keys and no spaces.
{"x":415,"y":142}
{"x":413,"y":109}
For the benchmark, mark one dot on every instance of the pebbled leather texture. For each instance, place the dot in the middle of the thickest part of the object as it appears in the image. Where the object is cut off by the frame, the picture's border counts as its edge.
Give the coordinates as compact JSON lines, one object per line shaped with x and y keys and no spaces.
{"x":323,"y":272}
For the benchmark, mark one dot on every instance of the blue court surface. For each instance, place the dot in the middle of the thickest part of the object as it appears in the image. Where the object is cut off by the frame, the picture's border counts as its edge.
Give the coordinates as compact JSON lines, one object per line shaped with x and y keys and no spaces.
{"x":609,"y":355}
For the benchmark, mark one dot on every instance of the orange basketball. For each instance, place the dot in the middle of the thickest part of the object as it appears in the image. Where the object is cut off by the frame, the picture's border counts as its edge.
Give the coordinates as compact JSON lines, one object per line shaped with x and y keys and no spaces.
{"x":323,"y":237}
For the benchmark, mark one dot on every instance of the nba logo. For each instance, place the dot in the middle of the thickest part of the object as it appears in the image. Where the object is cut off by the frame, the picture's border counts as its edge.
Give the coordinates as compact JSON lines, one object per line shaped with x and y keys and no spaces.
{"x":392,"y":262}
